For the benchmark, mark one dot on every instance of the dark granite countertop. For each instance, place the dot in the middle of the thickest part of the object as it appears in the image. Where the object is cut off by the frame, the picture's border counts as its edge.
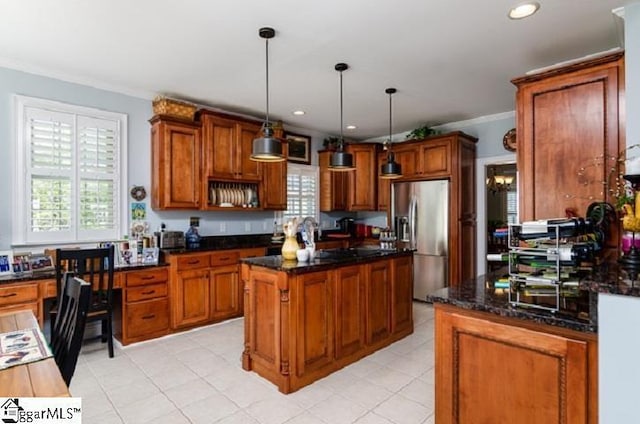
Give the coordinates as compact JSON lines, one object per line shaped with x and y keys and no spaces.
{"x":325,"y":259}
{"x":480,"y":295}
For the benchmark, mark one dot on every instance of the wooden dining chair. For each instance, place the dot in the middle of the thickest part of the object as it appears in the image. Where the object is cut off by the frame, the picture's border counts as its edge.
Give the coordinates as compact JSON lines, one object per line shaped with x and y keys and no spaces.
{"x":68,"y":329}
{"x":95,"y":266}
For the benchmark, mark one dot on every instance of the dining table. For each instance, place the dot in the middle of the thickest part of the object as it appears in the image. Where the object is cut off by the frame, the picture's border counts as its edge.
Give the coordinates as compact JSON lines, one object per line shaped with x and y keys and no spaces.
{"x":41,"y":378}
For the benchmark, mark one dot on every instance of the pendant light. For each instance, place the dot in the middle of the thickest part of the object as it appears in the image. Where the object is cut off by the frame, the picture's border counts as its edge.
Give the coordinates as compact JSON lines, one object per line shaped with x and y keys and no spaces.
{"x":391,"y":169}
{"x":341,"y":160}
{"x":267,"y":148}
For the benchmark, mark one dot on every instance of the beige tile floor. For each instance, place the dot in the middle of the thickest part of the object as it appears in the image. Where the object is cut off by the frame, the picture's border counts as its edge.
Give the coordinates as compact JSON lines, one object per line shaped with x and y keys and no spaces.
{"x":195,"y":377}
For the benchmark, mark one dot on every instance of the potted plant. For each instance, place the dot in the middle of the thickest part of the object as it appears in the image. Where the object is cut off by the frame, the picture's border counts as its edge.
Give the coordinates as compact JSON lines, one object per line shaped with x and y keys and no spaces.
{"x":421,"y":132}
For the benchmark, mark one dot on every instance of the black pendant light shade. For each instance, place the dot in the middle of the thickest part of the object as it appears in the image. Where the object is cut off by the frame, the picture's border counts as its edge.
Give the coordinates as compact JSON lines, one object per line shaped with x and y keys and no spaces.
{"x":391,"y":169}
{"x":267,"y":148}
{"x":341,"y":160}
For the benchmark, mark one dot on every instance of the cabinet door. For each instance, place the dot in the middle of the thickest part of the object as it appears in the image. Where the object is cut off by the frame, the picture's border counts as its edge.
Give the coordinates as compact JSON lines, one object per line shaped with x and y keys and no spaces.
{"x":566,"y":122}
{"x":333,"y":185}
{"x":225,"y":292}
{"x":402,"y":294}
{"x":407,"y":158}
{"x":378,"y":301}
{"x":220,"y":147}
{"x":175,"y":166}
{"x":489,"y":372}
{"x":145,"y":320}
{"x":384,"y":184}
{"x":435,"y":158}
{"x":248,"y":169}
{"x":190,"y":302}
{"x":362,"y":181}
{"x":350,"y":315}
{"x":274,"y":184}
{"x":314,"y":305}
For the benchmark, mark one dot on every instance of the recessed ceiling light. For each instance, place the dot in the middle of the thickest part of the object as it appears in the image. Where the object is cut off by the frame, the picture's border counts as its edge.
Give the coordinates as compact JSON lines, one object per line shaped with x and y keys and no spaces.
{"x":524,"y":10}
{"x":351,"y":127}
{"x":298,"y":112}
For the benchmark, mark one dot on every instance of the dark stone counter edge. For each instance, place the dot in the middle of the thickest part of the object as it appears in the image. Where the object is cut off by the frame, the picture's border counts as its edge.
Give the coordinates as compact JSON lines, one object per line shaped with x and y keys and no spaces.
{"x":276,"y":263}
{"x":522,"y":313}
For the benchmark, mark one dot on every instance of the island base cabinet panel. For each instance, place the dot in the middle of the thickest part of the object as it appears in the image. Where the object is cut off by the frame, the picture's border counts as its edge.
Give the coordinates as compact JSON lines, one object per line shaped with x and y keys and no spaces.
{"x":378,"y":301}
{"x":350,"y":310}
{"x":313,"y":307}
{"x":491,"y":372}
{"x":402,"y":294}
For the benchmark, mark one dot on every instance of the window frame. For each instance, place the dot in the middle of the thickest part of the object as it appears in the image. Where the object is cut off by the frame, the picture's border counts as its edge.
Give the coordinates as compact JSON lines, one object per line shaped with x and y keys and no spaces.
{"x":21,"y":234}
{"x":315,"y":169}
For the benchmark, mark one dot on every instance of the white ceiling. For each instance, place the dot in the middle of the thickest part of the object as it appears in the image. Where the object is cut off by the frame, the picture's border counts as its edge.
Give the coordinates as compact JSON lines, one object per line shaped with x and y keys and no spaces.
{"x":449,"y":59}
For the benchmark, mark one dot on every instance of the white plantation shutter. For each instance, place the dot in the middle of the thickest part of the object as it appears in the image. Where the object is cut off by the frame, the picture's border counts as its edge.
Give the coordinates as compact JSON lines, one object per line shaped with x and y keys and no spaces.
{"x":302,"y":192}
{"x":69,"y":174}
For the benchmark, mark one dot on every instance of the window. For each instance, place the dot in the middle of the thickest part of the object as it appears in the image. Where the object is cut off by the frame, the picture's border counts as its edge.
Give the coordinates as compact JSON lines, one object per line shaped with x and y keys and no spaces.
{"x":302,"y":192}
{"x":69,"y":173}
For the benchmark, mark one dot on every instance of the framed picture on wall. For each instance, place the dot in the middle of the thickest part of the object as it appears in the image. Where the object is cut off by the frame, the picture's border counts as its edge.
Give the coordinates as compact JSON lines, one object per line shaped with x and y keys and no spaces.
{"x":299,"y":148}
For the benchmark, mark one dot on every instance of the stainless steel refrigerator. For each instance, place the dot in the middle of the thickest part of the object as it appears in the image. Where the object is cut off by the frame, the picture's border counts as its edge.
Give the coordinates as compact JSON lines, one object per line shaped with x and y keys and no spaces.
{"x":420,"y":215}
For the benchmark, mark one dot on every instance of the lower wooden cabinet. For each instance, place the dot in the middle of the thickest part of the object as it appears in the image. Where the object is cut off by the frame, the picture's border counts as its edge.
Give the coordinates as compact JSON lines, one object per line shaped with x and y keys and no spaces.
{"x":299,"y":328}
{"x":19,"y":297}
{"x":491,"y":369}
{"x":190,"y":298}
{"x":224,"y":288}
{"x":144,"y":304}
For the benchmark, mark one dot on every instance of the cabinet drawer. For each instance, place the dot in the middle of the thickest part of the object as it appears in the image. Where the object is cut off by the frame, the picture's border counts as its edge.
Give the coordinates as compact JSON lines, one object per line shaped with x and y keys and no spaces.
{"x":33,"y":306}
{"x":151,"y":291}
{"x":193,"y":262}
{"x":147,"y":317}
{"x":141,"y":278}
{"x":252,"y":252}
{"x":18,"y":294}
{"x":225,"y":258}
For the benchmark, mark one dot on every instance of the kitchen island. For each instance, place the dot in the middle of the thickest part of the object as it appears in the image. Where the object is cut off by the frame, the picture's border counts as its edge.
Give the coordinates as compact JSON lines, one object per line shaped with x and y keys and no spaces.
{"x":305,"y":320}
{"x":504,"y":364}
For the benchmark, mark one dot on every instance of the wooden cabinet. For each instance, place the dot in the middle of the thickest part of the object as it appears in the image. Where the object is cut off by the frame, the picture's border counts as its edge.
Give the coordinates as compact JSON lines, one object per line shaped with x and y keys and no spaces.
{"x":570,"y":128}
{"x":145,"y":306}
{"x":401,"y":294}
{"x":408,"y":157}
{"x":350,"y":307}
{"x":378,"y":301}
{"x":302,"y":327}
{"x":227,"y":146}
{"x":175,"y":164}
{"x":362,"y":182}
{"x":205,"y":287}
{"x":384,"y":185}
{"x":273,"y":186}
{"x":333,"y":185}
{"x":19,"y":297}
{"x":500,"y":370}
{"x":350,"y":190}
{"x":435,"y":158}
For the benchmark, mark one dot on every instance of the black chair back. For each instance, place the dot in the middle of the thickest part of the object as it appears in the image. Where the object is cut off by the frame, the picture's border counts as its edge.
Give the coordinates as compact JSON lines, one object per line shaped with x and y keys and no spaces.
{"x":96,"y":267}
{"x":68,"y":330}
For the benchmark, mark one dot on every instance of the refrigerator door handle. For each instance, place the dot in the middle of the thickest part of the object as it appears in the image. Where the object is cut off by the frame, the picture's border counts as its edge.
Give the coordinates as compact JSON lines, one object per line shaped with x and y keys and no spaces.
{"x":413,"y":220}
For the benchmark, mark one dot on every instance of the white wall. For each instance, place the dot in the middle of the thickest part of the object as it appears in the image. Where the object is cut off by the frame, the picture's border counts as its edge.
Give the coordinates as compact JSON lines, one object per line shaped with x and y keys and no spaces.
{"x":619,"y":316}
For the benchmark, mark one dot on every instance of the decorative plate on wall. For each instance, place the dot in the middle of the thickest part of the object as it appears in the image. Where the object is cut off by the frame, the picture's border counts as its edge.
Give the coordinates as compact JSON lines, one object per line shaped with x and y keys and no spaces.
{"x":509,"y":140}
{"x":138,"y":193}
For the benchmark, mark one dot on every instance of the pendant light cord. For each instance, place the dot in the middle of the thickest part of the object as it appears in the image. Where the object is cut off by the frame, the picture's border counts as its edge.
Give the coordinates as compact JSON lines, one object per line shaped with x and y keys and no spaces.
{"x":390,"y":132}
{"x":341,"y":123}
{"x":267,"y":68}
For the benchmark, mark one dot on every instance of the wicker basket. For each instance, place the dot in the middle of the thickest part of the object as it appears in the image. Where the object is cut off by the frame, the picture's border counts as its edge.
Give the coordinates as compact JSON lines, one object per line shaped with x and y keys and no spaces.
{"x":175,"y":108}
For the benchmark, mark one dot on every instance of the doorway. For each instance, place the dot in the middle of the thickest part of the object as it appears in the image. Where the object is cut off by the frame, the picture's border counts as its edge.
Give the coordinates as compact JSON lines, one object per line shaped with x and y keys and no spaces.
{"x":496,"y":188}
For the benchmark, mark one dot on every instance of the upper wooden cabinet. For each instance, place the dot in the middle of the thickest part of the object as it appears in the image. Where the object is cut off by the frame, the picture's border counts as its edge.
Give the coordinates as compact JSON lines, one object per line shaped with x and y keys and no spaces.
{"x":362,"y":181}
{"x":350,"y":190}
{"x":227,"y":145}
{"x":384,"y":184}
{"x":273,"y":186}
{"x":568,"y":120}
{"x":175,"y":164}
{"x":333,"y":185}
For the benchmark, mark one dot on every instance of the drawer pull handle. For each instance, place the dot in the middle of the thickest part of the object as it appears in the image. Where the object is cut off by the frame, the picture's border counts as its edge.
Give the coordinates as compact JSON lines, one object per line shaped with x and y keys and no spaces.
{"x":9,"y":295}
{"x":193,"y":262}
{"x":148,"y":316}
{"x":226,"y":258}
{"x":149,"y":292}
{"x":150,"y":277}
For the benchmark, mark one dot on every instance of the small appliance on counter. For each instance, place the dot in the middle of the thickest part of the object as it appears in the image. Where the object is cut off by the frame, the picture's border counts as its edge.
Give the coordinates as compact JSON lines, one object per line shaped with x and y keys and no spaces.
{"x":171,"y":239}
{"x":347,"y":226}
